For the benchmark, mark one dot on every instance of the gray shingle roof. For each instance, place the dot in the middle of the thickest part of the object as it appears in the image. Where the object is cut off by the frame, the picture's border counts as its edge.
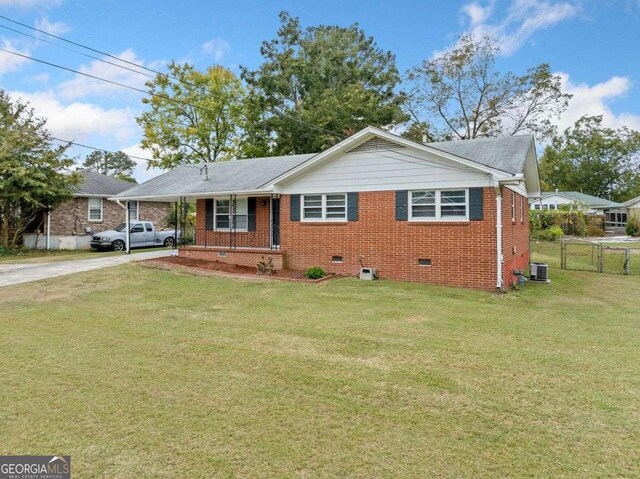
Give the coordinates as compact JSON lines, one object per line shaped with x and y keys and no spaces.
{"x":588,"y":200}
{"x":225,"y":176}
{"x":507,"y":153}
{"x":100,"y":185}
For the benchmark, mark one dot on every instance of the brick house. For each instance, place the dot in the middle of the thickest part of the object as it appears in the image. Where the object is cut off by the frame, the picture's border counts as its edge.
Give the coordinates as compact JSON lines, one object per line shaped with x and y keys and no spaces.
{"x":452,"y":213}
{"x":89,"y":211}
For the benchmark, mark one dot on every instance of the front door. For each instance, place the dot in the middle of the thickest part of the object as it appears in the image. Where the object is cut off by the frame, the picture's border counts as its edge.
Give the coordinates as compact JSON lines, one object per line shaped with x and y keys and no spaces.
{"x":275,"y":222}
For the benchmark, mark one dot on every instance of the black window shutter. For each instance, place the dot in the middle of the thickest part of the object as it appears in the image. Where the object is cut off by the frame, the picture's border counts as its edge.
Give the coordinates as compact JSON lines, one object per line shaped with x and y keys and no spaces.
{"x":352,"y":206}
{"x":295,"y":208}
{"x":251,"y":213}
{"x":402,"y":212}
{"x":208,"y":214}
{"x":475,"y":204}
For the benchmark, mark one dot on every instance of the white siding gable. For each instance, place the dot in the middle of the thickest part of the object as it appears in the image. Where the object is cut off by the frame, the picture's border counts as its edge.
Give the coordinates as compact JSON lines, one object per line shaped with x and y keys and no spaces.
{"x":379,"y":165}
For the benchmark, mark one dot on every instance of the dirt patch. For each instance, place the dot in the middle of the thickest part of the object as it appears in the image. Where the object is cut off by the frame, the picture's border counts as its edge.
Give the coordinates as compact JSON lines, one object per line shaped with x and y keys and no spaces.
{"x":218,"y":268}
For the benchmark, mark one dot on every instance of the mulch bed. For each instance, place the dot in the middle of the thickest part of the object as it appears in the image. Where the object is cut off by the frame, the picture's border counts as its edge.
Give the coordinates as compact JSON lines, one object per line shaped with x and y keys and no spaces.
{"x":217,"y":268}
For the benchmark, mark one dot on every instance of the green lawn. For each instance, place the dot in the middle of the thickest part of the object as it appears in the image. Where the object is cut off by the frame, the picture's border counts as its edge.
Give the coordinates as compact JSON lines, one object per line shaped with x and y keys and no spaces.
{"x":140,"y":373}
{"x":44,"y":256}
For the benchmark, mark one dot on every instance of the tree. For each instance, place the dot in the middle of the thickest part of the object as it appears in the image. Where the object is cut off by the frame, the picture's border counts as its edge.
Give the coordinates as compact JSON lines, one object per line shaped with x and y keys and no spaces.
{"x":336,"y":79}
{"x":594,"y":159}
{"x":31,"y":169}
{"x":464,"y":96}
{"x":197,"y":118}
{"x":116,"y":164}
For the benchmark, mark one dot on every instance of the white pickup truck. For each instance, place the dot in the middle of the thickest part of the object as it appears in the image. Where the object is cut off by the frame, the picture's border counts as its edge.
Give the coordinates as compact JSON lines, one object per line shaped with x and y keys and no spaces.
{"x":143,"y":235}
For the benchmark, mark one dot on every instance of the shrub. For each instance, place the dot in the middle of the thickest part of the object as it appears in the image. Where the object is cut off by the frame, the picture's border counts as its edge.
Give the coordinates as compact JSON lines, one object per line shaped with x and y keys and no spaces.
{"x":633,"y":226}
{"x":315,"y":272}
{"x":570,"y":222}
{"x":553,"y":233}
{"x":594,"y":230}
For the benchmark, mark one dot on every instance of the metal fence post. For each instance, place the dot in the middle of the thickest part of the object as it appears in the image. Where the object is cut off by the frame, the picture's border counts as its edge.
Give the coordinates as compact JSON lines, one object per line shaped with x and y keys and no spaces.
{"x":627,"y":261}
{"x":600,"y":258}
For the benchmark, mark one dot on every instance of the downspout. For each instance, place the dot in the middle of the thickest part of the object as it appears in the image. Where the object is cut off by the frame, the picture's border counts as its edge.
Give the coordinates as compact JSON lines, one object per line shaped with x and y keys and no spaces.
{"x":48,"y":228}
{"x":498,"y":235}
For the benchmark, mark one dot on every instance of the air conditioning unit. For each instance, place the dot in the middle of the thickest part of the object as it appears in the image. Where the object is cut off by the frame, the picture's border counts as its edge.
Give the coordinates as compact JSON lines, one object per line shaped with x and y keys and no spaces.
{"x":539,"y":272}
{"x":368,"y":273}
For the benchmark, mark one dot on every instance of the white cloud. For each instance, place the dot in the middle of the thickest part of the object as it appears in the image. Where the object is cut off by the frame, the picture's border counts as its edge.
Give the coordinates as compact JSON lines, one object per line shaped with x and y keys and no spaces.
{"x":141,"y":173}
{"x":77,"y":121}
{"x":82,"y":86}
{"x":594,"y":100}
{"x":523,"y":19}
{"x":9,"y":62}
{"x":54,"y":28}
{"x":217,"y":48}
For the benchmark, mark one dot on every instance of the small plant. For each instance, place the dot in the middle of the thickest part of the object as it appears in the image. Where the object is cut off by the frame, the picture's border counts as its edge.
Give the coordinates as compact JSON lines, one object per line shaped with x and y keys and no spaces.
{"x":552,"y":233}
{"x":315,"y":272}
{"x":266,"y":266}
{"x":633,"y":226}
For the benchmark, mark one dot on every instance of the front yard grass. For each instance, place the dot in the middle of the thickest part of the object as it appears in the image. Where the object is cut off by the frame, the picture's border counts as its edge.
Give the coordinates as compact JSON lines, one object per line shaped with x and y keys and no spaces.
{"x":141,"y":373}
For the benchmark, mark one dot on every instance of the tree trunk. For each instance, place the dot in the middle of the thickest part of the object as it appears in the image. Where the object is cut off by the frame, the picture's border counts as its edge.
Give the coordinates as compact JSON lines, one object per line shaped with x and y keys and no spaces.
{"x":6,"y":221}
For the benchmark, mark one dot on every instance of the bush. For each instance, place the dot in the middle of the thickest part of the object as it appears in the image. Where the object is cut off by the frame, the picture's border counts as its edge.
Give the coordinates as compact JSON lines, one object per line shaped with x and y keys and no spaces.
{"x":570,"y":222}
{"x":633,"y":226}
{"x":553,"y":233}
{"x":594,"y":230}
{"x":315,"y":272}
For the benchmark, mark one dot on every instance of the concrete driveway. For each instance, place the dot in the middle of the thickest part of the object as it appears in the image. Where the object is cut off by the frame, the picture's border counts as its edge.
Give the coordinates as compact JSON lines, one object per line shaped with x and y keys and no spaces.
{"x":27,"y":272}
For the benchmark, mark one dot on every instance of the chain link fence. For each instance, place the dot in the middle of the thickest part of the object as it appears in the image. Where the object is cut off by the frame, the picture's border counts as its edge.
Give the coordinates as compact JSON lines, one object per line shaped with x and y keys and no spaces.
{"x":584,"y":255}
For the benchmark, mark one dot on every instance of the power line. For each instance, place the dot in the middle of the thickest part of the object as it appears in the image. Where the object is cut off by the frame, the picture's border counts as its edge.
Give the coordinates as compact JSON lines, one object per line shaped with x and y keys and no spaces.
{"x":95,"y":50}
{"x":140,"y":90}
{"x":95,"y":148}
{"x":302,"y":122}
{"x":148,"y":75}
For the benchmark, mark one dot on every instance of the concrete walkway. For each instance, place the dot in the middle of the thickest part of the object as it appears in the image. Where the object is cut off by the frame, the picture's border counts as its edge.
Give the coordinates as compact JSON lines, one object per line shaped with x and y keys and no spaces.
{"x":27,"y":272}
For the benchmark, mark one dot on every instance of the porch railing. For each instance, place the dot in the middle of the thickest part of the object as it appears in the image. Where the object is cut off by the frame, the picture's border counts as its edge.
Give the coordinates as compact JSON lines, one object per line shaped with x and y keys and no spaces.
{"x":230,"y":238}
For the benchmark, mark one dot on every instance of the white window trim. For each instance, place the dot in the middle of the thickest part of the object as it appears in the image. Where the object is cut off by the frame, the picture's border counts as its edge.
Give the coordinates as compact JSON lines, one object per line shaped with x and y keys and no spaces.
{"x":215,"y":215}
{"x":323,"y":207}
{"x":521,"y":209}
{"x":513,"y":207}
{"x":438,"y":217}
{"x":137,"y":218}
{"x":89,"y":210}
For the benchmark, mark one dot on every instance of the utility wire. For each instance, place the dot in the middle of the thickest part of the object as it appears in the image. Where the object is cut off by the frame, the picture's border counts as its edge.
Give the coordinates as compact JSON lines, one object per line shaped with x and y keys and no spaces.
{"x":96,"y":148}
{"x":95,"y":50}
{"x":145,"y":92}
{"x":148,"y":75}
{"x":126,"y":68}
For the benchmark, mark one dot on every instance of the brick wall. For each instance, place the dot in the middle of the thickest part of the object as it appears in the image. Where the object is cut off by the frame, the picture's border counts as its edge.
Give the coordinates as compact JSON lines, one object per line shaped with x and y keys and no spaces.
{"x":461,"y":253}
{"x":225,"y":255}
{"x":259,"y":238}
{"x":72,"y":217}
{"x":515,"y":236}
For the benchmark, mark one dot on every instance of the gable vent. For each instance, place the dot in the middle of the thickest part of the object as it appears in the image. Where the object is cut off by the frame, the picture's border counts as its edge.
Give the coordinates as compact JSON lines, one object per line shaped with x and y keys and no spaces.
{"x":376,"y":144}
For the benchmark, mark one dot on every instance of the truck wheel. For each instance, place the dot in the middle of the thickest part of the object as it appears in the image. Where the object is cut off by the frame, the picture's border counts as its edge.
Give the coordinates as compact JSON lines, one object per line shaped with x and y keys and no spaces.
{"x":118,"y":245}
{"x":169,"y":242}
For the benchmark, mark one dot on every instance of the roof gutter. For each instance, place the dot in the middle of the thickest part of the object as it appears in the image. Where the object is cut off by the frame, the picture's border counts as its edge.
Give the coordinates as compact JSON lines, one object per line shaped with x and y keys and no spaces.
{"x":177,"y":196}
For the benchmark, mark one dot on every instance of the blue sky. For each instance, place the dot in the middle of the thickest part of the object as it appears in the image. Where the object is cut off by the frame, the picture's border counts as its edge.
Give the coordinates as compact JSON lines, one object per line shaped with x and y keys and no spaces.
{"x":593,"y":44}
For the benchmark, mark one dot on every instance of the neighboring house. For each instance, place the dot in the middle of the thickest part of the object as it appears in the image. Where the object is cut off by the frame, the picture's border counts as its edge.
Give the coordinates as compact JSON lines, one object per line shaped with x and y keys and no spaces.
{"x":552,"y":200}
{"x":632,"y":207}
{"x":89,"y":211}
{"x":452,"y":213}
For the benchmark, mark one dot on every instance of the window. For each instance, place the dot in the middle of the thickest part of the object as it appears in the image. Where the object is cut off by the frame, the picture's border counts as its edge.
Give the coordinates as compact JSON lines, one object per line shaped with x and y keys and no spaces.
{"x":149,"y":227}
{"x":223,"y":214}
{"x":133,"y":211}
{"x":95,"y":209}
{"x":439,"y":205}
{"x":521,"y":209}
{"x":137,"y":228}
{"x":513,"y":206}
{"x":331,"y":207}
